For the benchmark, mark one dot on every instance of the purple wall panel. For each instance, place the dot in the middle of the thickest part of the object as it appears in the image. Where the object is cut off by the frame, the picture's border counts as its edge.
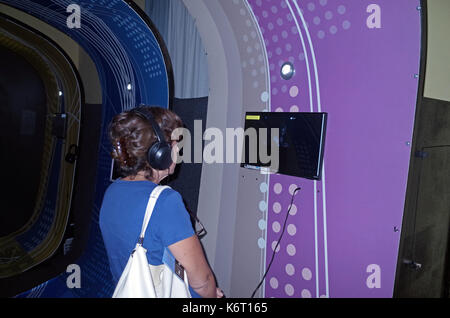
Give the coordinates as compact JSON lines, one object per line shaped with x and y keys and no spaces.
{"x":364,"y":78}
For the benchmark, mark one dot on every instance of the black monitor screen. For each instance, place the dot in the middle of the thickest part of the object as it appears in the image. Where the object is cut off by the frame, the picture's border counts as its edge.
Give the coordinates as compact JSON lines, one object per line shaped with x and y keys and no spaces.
{"x":298,"y":137}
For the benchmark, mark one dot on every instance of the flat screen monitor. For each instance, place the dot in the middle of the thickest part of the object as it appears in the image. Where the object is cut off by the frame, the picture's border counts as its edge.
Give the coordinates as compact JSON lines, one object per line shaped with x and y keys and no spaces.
{"x":299,"y":139}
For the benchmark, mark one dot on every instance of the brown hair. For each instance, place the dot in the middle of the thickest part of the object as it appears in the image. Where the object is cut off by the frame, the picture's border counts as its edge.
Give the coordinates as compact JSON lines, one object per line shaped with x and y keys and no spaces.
{"x":131,"y":136}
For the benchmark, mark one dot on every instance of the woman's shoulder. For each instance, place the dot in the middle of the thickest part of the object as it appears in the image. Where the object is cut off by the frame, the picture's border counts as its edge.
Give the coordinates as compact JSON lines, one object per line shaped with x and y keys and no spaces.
{"x":141,"y":189}
{"x":170,"y":196}
{"x":170,"y":204}
{"x":121,"y":185}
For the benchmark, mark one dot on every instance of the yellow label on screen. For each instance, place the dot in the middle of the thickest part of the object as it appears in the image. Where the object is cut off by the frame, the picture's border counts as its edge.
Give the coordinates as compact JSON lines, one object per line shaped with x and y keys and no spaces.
{"x":253,"y":117}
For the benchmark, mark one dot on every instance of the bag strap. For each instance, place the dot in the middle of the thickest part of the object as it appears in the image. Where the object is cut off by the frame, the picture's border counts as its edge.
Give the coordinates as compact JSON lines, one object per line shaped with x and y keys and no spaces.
{"x":149,"y":211}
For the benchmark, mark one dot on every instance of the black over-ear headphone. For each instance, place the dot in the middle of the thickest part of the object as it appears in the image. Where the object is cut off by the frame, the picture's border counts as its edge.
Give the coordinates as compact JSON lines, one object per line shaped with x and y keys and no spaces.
{"x":160,"y":153}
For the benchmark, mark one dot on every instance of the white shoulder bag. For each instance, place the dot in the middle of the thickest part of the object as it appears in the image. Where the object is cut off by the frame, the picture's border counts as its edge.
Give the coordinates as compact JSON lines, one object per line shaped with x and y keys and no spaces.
{"x":141,"y":280}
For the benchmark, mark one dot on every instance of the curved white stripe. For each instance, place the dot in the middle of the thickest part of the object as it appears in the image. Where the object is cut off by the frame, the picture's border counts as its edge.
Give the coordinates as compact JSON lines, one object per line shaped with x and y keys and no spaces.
{"x":315,"y":239}
{"x":306,"y":55}
{"x":312,"y":53}
{"x":325,"y":231}
{"x":268,"y":105}
{"x":119,"y":58}
{"x":323,"y":169}
{"x":316,"y":245}
{"x":61,"y":20}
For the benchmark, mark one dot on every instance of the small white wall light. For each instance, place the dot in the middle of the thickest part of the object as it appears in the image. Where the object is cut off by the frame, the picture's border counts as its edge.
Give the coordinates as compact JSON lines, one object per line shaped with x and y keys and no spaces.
{"x":287,"y":70}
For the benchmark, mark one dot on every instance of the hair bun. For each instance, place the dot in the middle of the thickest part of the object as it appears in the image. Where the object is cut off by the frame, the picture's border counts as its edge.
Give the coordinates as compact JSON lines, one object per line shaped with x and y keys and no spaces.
{"x":120,"y":153}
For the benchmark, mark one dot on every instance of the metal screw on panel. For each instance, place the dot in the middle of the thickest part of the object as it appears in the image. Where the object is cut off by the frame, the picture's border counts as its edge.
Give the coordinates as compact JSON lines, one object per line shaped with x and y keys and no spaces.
{"x":416,"y":266}
{"x":412,"y":264}
{"x":408,"y":143}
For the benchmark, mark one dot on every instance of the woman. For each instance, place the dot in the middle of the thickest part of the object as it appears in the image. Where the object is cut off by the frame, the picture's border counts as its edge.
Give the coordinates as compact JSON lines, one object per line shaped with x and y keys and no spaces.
{"x":125,"y":201}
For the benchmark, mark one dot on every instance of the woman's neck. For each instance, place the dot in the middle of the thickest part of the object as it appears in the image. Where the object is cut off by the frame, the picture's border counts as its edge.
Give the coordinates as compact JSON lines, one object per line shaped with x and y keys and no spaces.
{"x":157,"y":177}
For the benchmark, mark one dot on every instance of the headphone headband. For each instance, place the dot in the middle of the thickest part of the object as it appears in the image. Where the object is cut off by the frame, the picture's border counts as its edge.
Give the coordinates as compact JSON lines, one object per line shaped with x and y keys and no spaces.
{"x":147,"y":115}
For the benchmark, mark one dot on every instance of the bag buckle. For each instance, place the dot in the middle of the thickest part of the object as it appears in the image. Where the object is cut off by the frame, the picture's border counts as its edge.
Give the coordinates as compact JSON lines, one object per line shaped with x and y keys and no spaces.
{"x":179,"y":270}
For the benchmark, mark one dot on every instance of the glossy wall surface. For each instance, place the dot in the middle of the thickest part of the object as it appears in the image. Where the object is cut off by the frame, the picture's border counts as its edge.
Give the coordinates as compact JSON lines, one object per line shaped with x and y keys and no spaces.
{"x":359,"y":62}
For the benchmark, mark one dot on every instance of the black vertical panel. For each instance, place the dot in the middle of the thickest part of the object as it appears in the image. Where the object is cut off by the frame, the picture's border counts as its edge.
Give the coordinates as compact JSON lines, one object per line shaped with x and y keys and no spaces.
{"x":22,"y":124}
{"x":187,"y":176}
{"x":423,"y":267}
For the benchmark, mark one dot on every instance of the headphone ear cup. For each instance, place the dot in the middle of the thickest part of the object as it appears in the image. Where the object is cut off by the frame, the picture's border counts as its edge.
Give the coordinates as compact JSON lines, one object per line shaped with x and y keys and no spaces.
{"x":160,"y":156}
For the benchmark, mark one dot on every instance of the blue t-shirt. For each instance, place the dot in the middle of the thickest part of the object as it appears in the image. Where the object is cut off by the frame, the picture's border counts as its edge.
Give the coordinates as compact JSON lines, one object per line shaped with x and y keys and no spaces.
{"x":121,"y":217}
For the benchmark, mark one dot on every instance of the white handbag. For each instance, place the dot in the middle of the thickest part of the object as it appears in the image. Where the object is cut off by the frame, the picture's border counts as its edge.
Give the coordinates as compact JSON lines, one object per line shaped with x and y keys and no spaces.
{"x":141,"y":280}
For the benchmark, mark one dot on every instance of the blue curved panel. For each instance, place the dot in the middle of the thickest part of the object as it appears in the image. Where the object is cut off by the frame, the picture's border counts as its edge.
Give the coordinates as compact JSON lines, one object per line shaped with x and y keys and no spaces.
{"x":123,"y":48}
{"x":132,"y":71}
